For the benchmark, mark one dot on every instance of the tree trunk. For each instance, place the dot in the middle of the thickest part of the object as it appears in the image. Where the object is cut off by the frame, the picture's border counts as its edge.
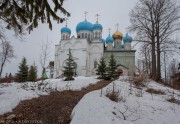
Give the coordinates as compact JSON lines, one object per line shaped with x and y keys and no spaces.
{"x":153,"y":61}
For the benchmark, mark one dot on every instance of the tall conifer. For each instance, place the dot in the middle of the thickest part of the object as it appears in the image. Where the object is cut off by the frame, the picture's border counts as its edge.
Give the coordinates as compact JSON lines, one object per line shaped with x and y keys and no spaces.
{"x":111,"y":73}
{"x":102,"y":69}
{"x":22,"y":74}
{"x":69,"y":68}
{"x":32,"y":74}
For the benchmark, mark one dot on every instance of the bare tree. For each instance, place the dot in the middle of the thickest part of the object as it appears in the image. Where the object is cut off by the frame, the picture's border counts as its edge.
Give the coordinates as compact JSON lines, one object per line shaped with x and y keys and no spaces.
{"x":6,"y":53}
{"x":143,"y":24}
{"x":154,"y":22}
{"x":45,"y":53}
{"x":145,"y":51}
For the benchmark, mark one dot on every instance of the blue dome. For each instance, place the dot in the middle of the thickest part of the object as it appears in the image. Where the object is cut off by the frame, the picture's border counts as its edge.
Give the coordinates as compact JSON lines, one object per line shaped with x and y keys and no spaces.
{"x":85,"y":25}
{"x":127,"y":38}
{"x":65,"y":30}
{"x":97,"y":26}
{"x":103,"y":40}
{"x":109,"y":39}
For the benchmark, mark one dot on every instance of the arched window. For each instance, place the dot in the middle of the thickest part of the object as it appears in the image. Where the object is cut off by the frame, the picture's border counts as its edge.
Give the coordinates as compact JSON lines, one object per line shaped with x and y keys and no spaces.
{"x":66,"y":37}
{"x":96,"y":34}
{"x":63,"y":37}
{"x":82,"y":35}
{"x":89,"y":37}
{"x":95,"y":64}
{"x":99,"y":35}
{"x":86,"y":35}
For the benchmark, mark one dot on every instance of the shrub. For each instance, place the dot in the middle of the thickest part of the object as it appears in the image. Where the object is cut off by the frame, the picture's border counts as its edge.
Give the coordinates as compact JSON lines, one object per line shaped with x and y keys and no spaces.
{"x":139,"y":81}
{"x":174,"y":100}
{"x":153,"y":91}
{"x":114,"y":94}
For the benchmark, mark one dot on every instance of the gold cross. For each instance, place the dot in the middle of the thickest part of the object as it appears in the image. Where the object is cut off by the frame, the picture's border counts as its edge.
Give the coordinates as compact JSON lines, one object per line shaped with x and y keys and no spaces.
{"x":85,"y":13}
{"x":97,"y":15}
{"x":117,"y":25}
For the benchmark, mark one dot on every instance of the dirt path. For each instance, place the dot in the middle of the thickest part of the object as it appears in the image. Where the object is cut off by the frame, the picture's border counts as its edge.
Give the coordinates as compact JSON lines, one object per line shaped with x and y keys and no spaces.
{"x":55,"y":108}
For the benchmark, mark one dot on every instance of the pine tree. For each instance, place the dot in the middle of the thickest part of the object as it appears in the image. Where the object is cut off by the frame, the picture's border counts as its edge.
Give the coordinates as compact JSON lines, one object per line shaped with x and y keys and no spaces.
{"x":32,"y":74}
{"x":10,"y":75}
{"x":69,"y":69}
{"x":22,"y":74}
{"x":101,"y":70}
{"x":112,"y":67}
{"x":19,"y":14}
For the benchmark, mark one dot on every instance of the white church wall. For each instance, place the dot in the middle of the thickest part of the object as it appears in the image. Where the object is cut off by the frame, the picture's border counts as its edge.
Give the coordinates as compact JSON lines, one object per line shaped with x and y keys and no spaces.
{"x":79,"y":52}
{"x":96,"y":52}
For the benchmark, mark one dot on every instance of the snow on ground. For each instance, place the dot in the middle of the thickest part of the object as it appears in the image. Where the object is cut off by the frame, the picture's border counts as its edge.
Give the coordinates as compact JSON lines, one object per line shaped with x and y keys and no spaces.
{"x":148,"y":109}
{"x":12,"y":93}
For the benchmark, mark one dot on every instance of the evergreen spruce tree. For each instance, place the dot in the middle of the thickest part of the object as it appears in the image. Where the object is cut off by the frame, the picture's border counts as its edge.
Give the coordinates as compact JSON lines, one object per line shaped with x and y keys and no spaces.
{"x":102,"y":69}
{"x":69,"y":68}
{"x":111,"y":73}
{"x":22,"y":74}
{"x":32,"y":74}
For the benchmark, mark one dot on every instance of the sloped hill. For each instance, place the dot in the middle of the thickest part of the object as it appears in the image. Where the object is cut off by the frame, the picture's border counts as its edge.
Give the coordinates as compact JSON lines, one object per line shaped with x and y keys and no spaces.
{"x":152,"y":107}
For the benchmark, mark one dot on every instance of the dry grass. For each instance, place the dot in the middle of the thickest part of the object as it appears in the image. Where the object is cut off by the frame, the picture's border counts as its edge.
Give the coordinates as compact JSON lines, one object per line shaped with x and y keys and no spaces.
{"x":55,"y":108}
{"x":153,"y":91}
{"x":174,"y":100}
{"x":176,"y":85}
{"x":139,"y":81}
{"x":114,"y":94}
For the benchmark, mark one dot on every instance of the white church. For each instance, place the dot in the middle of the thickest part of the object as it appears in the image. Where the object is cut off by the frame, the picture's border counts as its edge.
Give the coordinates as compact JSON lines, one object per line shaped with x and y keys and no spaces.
{"x":88,"y":47}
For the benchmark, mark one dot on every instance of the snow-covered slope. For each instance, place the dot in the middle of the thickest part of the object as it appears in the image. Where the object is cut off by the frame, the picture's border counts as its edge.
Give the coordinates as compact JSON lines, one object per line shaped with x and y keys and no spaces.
{"x":148,"y":109}
{"x":12,"y":93}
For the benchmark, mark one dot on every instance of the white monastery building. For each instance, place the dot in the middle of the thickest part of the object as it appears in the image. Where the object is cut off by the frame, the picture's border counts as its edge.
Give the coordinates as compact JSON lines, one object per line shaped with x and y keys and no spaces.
{"x":88,"y":47}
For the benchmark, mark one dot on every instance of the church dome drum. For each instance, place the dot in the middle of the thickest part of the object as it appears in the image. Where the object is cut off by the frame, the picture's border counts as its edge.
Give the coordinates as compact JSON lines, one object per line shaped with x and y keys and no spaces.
{"x":85,"y":25}
{"x":65,"y":30}
{"x":117,"y":35}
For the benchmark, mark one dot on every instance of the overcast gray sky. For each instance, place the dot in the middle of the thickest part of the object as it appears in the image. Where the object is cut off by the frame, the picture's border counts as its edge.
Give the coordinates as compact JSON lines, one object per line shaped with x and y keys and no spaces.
{"x":111,"y":12}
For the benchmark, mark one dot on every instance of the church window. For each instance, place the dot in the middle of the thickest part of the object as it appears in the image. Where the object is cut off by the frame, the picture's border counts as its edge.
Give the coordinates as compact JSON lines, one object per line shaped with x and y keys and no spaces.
{"x":95,"y":64}
{"x":96,"y":34}
{"x":86,"y":35}
{"x":99,"y":36}
{"x":63,"y":37}
{"x":89,"y":36}
{"x":78,"y":36}
{"x":82,"y":35}
{"x":66,"y":37}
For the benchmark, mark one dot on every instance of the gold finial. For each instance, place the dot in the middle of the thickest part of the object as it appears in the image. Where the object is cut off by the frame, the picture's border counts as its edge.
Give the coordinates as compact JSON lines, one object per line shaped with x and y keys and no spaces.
{"x":109,"y":29}
{"x":97,"y":15}
{"x":66,"y":19}
{"x":85,"y":13}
